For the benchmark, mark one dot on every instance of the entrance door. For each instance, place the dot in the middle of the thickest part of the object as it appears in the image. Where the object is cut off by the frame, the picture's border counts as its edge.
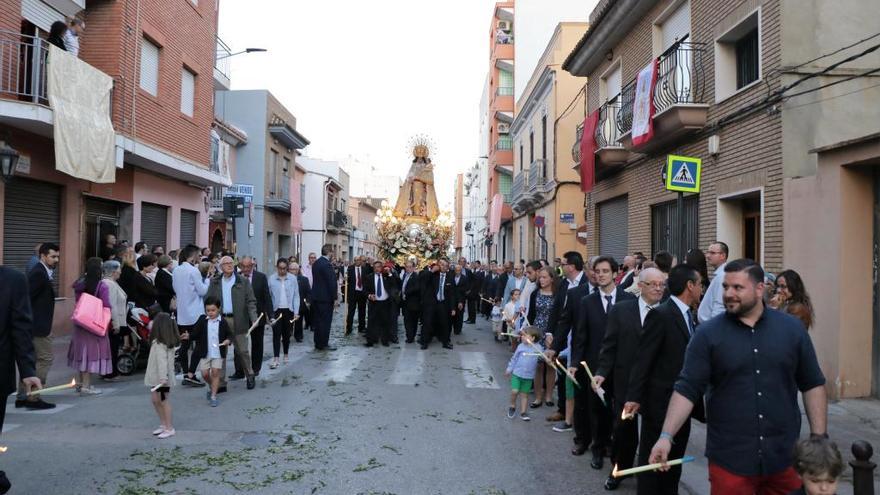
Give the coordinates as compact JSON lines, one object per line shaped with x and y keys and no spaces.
{"x":102,"y":218}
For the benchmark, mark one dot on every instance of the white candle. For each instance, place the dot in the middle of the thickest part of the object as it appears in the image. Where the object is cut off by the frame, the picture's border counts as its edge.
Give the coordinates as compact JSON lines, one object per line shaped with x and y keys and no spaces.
{"x":650,"y":467}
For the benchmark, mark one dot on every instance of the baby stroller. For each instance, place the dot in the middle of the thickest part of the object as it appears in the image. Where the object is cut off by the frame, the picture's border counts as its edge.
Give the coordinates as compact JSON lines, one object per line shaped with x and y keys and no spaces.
{"x":134,"y":355}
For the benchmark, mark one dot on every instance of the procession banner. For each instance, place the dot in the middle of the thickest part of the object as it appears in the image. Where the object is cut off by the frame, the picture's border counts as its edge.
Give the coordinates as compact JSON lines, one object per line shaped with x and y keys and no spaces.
{"x":495,"y":214}
{"x":588,"y":152}
{"x":643,"y":105}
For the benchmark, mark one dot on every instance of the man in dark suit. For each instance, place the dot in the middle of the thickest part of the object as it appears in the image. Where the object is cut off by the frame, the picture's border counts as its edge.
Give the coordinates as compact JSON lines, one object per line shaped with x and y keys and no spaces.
{"x":324,"y":298}
{"x":586,"y":342}
{"x":619,"y":347}
{"x":411,"y":300}
{"x":439,"y":305}
{"x":572,"y":288}
{"x":381,"y":289}
{"x":16,"y":345}
{"x":42,"y":302}
{"x":461,"y":284}
{"x":475,"y":286}
{"x":489,"y":288}
{"x":164,"y":284}
{"x":305,"y":299}
{"x":356,"y":294}
{"x":260,"y":285}
{"x":658,"y":362}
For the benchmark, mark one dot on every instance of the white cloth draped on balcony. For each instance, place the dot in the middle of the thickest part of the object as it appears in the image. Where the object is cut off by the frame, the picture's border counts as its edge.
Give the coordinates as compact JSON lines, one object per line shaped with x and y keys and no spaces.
{"x":79,"y":96}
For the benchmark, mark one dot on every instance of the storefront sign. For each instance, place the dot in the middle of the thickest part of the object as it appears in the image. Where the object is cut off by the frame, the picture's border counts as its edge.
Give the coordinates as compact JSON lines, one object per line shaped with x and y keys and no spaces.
{"x":241,"y":190}
{"x":683,"y":173}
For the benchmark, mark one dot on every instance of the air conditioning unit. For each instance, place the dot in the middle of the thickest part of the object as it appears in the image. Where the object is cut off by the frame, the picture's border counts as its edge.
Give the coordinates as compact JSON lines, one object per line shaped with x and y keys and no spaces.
{"x":503,"y":128}
{"x":504,"y":25}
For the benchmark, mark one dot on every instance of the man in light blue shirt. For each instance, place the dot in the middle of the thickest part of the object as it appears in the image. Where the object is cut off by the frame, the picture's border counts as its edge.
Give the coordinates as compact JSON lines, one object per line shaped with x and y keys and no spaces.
{"x":189,"y":289}
{"x":712,"y":304}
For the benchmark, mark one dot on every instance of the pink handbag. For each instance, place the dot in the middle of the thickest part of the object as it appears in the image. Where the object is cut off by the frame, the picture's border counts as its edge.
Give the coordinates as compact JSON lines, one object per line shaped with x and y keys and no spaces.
{"x":91,"y":314}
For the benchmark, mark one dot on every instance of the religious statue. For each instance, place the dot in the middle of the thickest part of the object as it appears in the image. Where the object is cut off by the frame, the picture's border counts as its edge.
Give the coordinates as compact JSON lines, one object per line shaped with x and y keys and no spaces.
{"x":417,"y":201}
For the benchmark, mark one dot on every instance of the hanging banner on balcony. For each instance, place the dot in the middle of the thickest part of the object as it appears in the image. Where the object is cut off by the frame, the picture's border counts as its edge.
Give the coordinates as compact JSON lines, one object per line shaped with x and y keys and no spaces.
{"x":588,"y":152}
{"x":643,"y":105}
{"x":79,"y":94}
{"x":296,"y":224}
{"x":495,"y":214}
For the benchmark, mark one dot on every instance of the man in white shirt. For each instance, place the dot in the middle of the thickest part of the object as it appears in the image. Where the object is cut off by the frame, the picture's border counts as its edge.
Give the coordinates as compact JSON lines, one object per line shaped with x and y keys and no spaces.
{"x":189,"y":288}
{"x":712,"y":304}
{"x":379,"y":287}
{"x":532,"y":269}
{"x":71,"y":37}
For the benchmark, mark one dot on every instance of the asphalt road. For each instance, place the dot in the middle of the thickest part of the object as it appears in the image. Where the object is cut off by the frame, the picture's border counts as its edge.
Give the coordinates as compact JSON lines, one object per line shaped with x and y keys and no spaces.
{"x":359,"y":420}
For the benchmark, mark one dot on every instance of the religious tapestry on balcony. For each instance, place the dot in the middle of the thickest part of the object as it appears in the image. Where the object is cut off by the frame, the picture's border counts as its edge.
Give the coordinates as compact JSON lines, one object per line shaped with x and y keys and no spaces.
{"x":643,"y":105}
{"x":79,"y":94}
{"x":588,"y":152}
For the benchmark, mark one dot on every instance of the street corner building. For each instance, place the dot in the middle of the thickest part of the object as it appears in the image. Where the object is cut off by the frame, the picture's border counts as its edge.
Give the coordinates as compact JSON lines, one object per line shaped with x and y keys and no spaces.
{"x":144,"y":75}
{"x":789,"y":161}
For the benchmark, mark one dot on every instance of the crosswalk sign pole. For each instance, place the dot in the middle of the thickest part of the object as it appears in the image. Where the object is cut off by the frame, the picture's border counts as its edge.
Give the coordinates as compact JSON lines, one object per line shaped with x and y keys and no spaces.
{"x":682,"y":234}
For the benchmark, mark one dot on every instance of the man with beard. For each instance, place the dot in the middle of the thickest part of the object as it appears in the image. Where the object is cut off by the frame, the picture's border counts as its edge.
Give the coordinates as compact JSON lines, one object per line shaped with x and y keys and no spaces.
{"x":754,"y":360}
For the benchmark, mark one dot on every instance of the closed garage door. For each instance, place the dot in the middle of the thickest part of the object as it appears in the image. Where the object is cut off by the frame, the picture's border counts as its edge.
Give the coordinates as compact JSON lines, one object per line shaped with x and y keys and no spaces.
{"x":188,"y":220}
{"x":613,"y":223}
{"x":32,"y":214}
{"x":154,"y":224}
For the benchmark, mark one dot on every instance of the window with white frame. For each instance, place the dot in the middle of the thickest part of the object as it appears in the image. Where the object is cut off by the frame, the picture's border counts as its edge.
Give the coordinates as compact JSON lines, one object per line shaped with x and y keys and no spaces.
{"x":610,"y":83}
{"x":149,"y":77}
{"x":187,"y":91}
{"x":738,"y":56}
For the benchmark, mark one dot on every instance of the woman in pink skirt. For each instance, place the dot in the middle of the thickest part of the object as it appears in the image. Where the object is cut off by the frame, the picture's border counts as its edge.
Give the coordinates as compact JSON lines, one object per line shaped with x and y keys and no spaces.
{"x":88,"y":353}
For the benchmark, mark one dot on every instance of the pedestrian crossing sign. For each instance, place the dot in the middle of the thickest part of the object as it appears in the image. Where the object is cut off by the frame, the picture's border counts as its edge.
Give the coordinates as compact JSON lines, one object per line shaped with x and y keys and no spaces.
{"x":683,"y":173}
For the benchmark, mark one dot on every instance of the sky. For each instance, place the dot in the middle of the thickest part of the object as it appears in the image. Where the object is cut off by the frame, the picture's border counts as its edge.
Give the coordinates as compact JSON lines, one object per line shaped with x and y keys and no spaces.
{"x":362,"y":78}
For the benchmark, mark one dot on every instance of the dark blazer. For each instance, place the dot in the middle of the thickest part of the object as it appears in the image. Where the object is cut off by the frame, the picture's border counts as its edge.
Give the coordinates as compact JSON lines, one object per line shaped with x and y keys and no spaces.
{"x":42,"y":300}
{"x":461,"y":288}
{"x":619,"y":346}
{"x":430,"y":287}
{"x":324,"y":288}
{"x":127,"y":279}
{"x":476,"y":284}
{"x":305,"y":291}
{"x":389,"y":284}
{"x":413,"y":291}
{"x":627,"y":281}
{"x":145,"y":293}
{"x":16,"y":345}
{"x":501,"y":284}
{"x":260,"y":284}
{"x":351,"y":280}
{"x":164,"y":289}
{"x":567,"y":306}
{"x":586,"y":342}
{"x":490,"y":285}
{"x":659,"y":360}
{"x":199,"y":336}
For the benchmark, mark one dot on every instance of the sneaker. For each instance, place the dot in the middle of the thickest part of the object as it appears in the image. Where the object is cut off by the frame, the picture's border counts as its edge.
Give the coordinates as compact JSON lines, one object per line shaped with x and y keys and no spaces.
{"x":562,"y":427}
{"x":214,"y":402}
{"x":511,"y":412}
{"x":525,"y":416}
{"x":192,"y":382}
{"x":166,"y":433}
{"x":208,"y":394}
{"x":90,"y":391}
{"x":158,"y":430}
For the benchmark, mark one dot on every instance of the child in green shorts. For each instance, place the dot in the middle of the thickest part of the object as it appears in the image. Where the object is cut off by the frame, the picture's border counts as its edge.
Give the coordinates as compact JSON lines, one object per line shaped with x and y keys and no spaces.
{"x":521,"y":370}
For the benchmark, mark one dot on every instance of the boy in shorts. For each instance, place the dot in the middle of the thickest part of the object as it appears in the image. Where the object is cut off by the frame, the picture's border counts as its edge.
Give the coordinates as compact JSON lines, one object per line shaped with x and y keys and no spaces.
{"x":819,"y":464}
{"x":211,"y":336}
{"x":521,"y":370}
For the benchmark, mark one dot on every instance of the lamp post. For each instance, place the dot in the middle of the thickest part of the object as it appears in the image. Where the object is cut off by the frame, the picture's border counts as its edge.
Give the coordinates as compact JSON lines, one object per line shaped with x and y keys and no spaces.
{"x":246,"y":50}
{"x":8,"y":161}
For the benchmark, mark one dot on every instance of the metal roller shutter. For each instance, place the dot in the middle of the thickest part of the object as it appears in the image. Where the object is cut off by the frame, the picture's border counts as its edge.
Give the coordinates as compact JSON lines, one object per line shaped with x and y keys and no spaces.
{"x":677,"y":26}
{"x":188,"y":221}
{"x":154,"y":224}
{"x":40,"y":14}
{"x":613,"y":227}
{"x":32,"y":215}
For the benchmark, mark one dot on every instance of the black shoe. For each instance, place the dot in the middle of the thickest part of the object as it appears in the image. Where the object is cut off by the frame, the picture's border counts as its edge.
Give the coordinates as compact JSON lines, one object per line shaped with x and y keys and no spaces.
{"x":299,"y":341}
{"x":20,"y":403}
{"x":329,"y":348}
{"x":471,"y":322}
{"x":192,"y":382}
{"x":457,"y":333}
{"x":447,"y":345}
{"x":5,"y":485}
{"x":385,"y":344}
{"x":597,"y":462}
{"x":236,"y":376}
{"x":410,"y":341}
{"x":251,"y":382}
{"x":256,"y":373}
{"x":221,"y":389}
{"x":423,"y":346}
{"x":612,"y":483}
{"x":535,"y":405}
{"x":368,"y":344}
{"x":395,"y":341}
{"x":38,"y":404}
{"x":579,"y":449}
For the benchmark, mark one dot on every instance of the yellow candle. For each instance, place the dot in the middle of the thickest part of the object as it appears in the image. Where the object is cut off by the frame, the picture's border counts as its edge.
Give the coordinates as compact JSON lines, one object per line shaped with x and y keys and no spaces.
{"x":54,"y":389}
{"x":650,"y":467}
{"x":251,"y":329}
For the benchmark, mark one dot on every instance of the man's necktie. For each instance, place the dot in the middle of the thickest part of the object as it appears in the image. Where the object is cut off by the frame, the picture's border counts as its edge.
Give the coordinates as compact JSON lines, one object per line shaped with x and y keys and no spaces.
{"x":608,"y":306}
{"x":690,"y":321}
{"x":379,"y":286}
{"x":357,"y":271}
{"x":440,"y":288}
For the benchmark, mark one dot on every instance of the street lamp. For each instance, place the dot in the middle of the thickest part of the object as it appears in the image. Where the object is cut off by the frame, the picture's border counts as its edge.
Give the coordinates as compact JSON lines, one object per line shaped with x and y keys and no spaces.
{"x":8,"y":161}
{"x":246,"y":50}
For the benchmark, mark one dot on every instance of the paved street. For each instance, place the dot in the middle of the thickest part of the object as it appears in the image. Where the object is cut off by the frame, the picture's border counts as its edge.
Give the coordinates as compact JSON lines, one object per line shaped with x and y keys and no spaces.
{"x":380,"y":420}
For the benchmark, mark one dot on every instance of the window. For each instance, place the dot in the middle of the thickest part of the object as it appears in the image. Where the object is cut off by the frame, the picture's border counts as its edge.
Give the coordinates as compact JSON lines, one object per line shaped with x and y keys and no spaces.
{"x":738,"y":57}
{"x":149,"y":67}
{"x":747,"y":59}
{"x":302,"y":197}
{"x":544,"y":137}
{"x":531,"y":147}
{"x":187,"y":91}
{"x":273,"y":171}
{"x":521,"y":158}
{"x":610,"y":84}
{"x":505,"y":182}
{"x":286,"y":166}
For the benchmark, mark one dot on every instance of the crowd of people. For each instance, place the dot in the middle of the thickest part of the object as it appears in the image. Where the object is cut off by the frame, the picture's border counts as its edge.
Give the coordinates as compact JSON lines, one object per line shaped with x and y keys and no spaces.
{"x":624,"y":355}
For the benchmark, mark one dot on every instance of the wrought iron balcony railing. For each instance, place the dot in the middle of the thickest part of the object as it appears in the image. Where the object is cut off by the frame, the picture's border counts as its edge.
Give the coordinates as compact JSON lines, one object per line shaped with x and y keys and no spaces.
{"x":607,"y":132}
{"x":537,"y":174}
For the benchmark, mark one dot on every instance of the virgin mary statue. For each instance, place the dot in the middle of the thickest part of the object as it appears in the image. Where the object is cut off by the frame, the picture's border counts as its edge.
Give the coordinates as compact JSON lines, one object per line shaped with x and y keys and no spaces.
{"x":417,"y":201}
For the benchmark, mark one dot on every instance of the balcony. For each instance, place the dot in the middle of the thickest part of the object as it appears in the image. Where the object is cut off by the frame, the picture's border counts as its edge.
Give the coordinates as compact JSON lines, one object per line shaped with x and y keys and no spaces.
{"x":504,"y":91}
{"x":609,"y":150}
{"x":279,"y":200}
{"x":337,"y":221}
{"x":504,"y":143}
{"x":222,"y":66}
{"x":679,"y":101}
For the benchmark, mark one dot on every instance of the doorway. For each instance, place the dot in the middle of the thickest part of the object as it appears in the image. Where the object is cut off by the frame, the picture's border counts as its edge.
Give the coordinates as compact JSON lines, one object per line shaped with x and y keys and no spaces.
{"x":102,"y":219}
{"x":740,"y":223}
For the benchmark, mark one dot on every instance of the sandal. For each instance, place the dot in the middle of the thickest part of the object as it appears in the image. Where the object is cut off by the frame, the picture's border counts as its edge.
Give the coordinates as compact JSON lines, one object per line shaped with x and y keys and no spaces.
{"x":273,"y":365}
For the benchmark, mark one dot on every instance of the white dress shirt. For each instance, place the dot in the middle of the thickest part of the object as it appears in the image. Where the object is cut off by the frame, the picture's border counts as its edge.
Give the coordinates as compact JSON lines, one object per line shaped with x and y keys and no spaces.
{"x":189,"y":287}
{"x":214,"y":338}
{"x":379,"y":283}
{"x":577,"y":281}
{"x":684,"y":308}
{"x":604,"y":297}
{"x":712,"y":304}
{"x":644,"y":309}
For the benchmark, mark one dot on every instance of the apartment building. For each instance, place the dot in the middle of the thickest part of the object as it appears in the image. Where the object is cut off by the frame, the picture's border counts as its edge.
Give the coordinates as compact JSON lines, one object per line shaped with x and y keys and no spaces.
{"x":364,"y":235}
{"x":325,"y":213}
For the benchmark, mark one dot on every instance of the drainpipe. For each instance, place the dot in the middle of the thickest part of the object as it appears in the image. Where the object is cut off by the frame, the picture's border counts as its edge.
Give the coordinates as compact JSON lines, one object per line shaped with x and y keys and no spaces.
{"x":323,"y":199}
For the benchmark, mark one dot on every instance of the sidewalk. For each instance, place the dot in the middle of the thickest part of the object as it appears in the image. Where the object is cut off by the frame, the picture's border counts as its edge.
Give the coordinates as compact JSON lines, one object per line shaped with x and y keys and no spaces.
{"x":848,"y":420}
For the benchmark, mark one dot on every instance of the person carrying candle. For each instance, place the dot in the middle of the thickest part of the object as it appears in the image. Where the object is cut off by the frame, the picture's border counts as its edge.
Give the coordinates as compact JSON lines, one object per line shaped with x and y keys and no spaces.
{"x":164,"y":338}
{"x":211,"y":337}
{"x":755,"y":360}
{"x":521,"y":370}
{"x":497,"y":316}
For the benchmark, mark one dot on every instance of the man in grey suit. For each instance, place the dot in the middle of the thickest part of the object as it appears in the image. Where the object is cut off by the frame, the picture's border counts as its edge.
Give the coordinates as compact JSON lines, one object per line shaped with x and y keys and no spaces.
{"x":239,"y":309}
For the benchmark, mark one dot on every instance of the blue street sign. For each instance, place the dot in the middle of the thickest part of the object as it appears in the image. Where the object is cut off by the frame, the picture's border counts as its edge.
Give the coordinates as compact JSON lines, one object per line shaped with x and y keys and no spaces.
{"x":566,"y":218}
{"x":683,"y":173}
